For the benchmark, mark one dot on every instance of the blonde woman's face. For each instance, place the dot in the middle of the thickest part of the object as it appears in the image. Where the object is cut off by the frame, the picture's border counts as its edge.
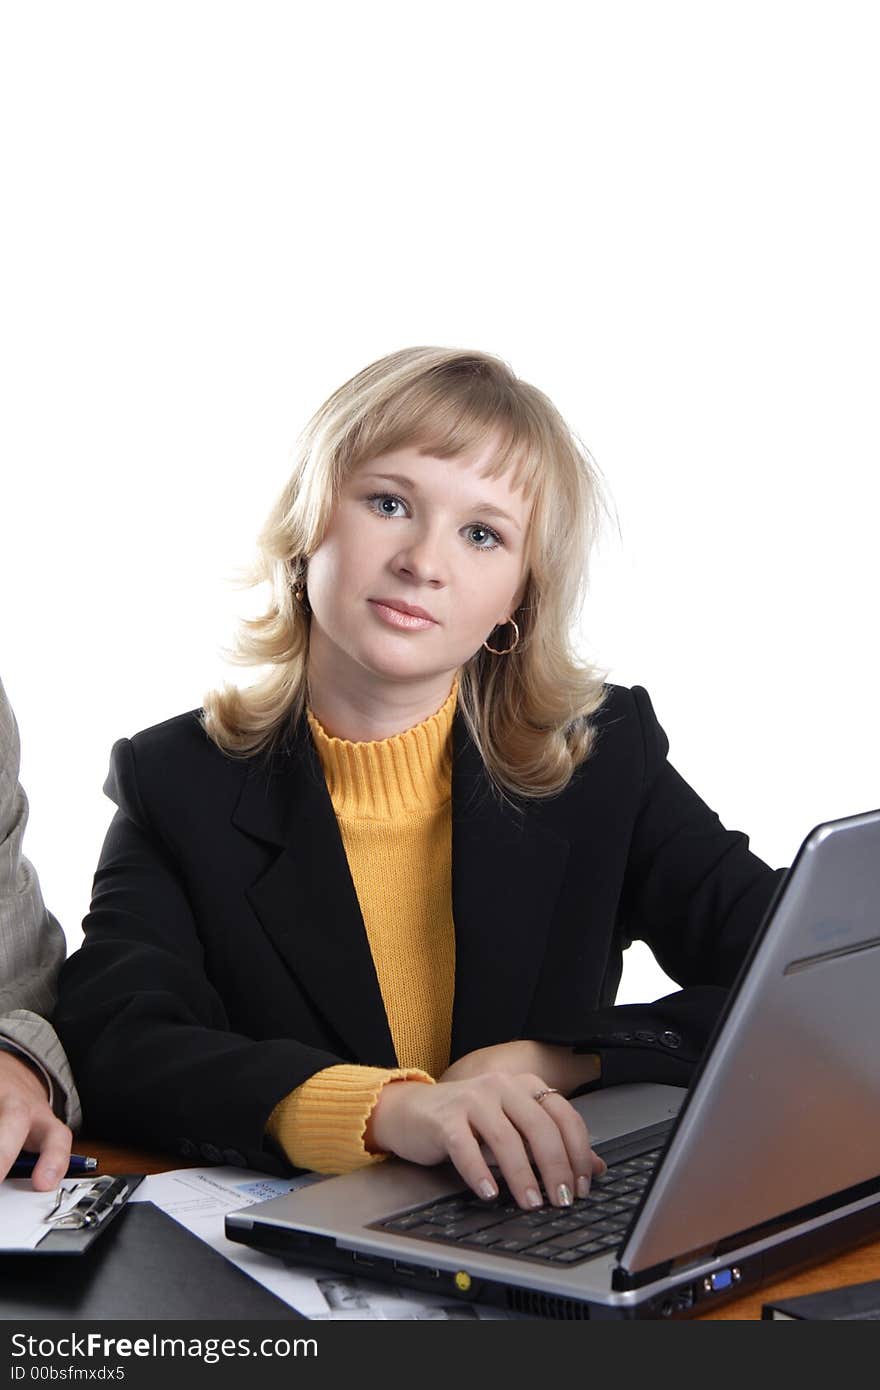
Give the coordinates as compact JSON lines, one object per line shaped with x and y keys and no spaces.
{"x":414,"y":532}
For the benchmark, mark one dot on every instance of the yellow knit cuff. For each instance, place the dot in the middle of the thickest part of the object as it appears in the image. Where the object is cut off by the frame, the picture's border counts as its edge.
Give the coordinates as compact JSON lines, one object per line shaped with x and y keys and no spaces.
{"x":321,"y":1125}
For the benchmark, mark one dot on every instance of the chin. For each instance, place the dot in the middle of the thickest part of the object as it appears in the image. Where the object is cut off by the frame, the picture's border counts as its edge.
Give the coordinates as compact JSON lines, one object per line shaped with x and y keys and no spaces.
{"x":389,"y":664}
{"x":395,"y":666}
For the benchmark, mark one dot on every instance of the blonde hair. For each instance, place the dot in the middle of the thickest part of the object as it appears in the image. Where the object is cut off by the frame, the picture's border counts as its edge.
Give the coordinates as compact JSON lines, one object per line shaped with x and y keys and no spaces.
{"x":528,"y":713}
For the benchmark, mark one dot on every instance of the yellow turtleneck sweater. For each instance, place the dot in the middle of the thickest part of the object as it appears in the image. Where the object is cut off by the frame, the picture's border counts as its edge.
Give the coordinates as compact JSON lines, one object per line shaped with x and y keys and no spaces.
{"x":393,"y":803}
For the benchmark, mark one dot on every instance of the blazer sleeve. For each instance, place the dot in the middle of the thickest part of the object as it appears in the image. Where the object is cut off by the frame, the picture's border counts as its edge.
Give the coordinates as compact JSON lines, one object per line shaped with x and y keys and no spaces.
{"x":32,"y":943}
{"x":696,"y":894}
{"x":146,"y":1032}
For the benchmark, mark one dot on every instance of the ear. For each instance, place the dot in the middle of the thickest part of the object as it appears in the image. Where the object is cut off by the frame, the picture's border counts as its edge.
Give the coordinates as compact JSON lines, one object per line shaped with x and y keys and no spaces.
{"x":519,"y":595}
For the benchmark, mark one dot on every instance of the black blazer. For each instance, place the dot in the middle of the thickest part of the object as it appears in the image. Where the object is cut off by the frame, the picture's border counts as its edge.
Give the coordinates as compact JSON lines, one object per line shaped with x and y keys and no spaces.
{"x":225,"y":958}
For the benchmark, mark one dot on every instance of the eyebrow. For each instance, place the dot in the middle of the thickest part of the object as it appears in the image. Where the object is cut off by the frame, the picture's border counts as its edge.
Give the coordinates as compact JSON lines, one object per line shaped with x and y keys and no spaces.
{"x":486,"y":508}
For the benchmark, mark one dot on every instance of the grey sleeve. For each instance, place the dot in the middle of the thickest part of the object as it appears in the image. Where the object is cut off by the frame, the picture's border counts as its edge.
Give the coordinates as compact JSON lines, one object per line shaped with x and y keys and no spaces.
{"x":32,"y":944}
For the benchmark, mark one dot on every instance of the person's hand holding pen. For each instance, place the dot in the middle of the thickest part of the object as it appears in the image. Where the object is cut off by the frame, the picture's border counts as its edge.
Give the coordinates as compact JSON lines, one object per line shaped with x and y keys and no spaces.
{"x":78,"y":1164}
{"x":27,"y":1121}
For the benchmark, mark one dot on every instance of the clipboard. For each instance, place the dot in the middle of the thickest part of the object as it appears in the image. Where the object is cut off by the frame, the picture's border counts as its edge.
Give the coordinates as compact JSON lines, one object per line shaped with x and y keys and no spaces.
{"x":86,"y":1208}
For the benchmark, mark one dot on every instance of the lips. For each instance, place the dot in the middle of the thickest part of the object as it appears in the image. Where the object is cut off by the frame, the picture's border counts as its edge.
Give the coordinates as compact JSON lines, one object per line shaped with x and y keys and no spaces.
{"x":402,"y":607}
{"x":405,"y":617}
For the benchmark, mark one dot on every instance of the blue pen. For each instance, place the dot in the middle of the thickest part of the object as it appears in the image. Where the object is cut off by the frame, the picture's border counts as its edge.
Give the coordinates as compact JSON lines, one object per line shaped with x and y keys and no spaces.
{"x":25,"y":1164}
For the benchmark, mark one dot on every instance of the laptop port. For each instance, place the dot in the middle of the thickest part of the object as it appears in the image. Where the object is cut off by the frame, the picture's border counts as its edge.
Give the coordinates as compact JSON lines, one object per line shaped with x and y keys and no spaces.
{"x":722,"y":1279}
{"x":679,"y":1302}
{"x":415,"y":1271}
{"x":364,"y":1260}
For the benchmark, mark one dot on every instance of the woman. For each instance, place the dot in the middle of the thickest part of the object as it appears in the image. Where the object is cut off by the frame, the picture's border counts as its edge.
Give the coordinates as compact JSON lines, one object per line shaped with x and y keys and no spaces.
{"x":414,"y":850}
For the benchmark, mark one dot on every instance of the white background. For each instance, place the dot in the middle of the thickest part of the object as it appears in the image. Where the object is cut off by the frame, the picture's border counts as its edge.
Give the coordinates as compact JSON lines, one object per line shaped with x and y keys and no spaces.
{"x":664,"y":215}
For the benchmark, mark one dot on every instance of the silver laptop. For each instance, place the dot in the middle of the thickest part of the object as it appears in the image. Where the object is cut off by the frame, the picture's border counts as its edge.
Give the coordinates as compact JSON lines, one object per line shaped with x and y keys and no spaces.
{"x":769,"y":1161}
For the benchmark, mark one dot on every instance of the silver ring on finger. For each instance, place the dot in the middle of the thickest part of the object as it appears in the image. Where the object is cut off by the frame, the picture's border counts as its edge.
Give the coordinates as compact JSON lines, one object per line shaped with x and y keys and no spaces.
{"x":540,"y":1096}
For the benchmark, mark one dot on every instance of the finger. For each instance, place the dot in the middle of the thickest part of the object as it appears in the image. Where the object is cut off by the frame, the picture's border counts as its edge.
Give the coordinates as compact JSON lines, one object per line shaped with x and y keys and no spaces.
{"x":464,"y":1153}
{"x":506,"y":1142}
{"x":15,"y":1122}
{"x":51,"y":1140}
{"x":575,"y":1136}
{"x":544,"y":1136}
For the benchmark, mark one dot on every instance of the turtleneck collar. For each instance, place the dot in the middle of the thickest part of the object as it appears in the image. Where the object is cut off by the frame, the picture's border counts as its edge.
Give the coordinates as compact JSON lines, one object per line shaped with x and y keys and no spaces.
{"x":390,"y":778}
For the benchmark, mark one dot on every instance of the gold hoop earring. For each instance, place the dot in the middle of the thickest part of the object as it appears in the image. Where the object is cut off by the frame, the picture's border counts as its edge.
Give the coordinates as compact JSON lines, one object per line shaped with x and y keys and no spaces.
{"x":498,"y":651}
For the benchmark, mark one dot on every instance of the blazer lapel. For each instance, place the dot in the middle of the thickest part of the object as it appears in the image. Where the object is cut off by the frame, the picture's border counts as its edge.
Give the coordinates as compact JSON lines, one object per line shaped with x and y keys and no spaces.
{"x":506,"y":875}
{"x":306,"y":900}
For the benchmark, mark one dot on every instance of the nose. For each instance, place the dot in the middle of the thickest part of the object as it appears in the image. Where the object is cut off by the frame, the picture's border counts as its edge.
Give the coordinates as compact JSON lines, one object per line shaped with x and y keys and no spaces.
{"x":422,"y":559}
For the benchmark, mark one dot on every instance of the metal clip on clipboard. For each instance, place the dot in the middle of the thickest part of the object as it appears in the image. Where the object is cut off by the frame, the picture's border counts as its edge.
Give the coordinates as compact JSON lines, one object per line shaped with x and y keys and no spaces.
{"x":93,"y":1206}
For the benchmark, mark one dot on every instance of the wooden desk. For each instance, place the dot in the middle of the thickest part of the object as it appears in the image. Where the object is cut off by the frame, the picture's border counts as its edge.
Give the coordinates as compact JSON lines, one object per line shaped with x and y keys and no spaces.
{"x":853,"y":1268}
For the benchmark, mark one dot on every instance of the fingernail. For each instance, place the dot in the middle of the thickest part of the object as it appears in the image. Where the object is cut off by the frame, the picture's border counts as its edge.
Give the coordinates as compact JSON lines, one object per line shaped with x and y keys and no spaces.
{"x":583,"y":1187}
{"x":51,"y":1175}
{"x":533,"y":1197}
{"x":487,"y":1190}
{"x":563,"y":1193}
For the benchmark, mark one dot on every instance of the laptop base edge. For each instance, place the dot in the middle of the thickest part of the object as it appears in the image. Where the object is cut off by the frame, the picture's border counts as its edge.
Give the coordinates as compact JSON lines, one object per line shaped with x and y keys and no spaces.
{"x":691,"y":1294}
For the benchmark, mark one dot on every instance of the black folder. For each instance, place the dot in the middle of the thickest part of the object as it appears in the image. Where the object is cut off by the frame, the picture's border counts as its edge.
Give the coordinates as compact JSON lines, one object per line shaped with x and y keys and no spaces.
{"x":146,"y":1265}
{"x":849,"y":1303}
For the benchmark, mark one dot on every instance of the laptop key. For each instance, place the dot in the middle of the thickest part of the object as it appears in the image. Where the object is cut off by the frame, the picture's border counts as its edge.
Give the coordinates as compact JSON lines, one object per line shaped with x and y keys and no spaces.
{"x":620,"y":1189}
{"x":405,"y":1223}
{"x":562,"y":1224}
{"x":465,"y":1225}
{"x":523,"y":1230}
{"x":626,"y":1201}
{"x":589,"y":1218}
{"x":547,"y":1251}
{"x":512,"y":1246}
{"x":591,"y":1247}
{"x":484,"y":1238}
{"x":604,"y":1238}
{"x":602,"y":1227}
{"x":574,"y":1240}
{"x":538,"y":1218}
{"x":424,"y":1229}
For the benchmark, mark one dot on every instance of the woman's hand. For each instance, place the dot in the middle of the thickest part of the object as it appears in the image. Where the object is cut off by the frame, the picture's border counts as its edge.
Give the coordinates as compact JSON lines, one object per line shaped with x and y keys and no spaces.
{"x":427,"y":1124}
{"x":560,"y":1066}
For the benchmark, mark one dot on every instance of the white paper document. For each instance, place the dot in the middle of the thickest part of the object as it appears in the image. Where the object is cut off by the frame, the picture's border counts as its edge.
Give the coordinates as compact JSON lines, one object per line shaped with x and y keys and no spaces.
{"x":200,"y":1198}
{"x":24,"y":1212}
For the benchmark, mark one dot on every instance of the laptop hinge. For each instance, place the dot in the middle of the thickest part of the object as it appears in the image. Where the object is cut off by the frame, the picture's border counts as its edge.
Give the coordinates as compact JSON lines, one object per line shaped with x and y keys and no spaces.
{"x":692,"y":1260}
{"x":622,"y":1280}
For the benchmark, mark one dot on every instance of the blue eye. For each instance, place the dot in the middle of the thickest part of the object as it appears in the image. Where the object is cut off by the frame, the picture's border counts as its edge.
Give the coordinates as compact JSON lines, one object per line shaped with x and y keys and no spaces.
{"x":382,"y":510}
{"x":488,"y":535}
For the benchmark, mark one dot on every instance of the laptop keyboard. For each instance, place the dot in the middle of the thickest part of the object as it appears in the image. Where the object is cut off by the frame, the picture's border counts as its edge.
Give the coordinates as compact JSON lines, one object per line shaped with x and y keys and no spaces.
{"x":551,"y":1235}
